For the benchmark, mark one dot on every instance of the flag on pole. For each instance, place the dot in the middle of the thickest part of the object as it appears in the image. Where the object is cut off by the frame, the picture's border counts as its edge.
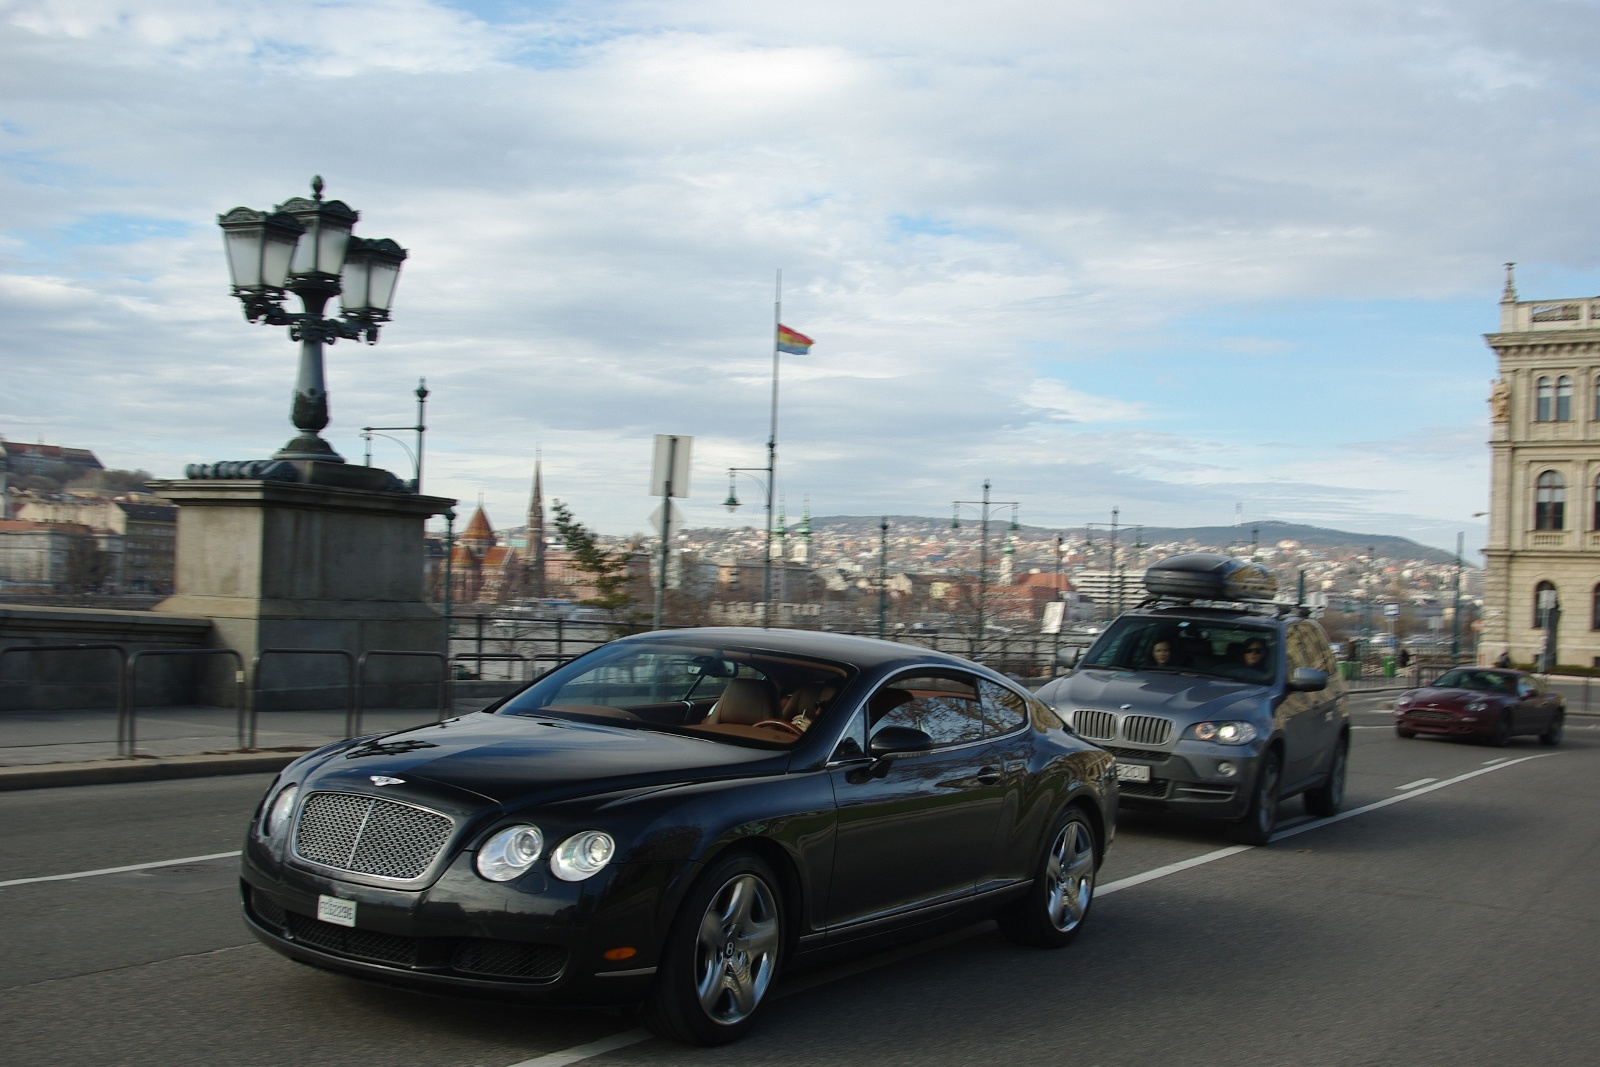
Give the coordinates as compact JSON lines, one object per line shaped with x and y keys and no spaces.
{"x":792,"y":342}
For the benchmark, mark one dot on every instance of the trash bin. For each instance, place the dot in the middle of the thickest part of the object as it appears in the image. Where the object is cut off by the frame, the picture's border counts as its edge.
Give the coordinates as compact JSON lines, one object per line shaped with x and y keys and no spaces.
{"x":1388,"y":666}
{"x":1349,"y":670}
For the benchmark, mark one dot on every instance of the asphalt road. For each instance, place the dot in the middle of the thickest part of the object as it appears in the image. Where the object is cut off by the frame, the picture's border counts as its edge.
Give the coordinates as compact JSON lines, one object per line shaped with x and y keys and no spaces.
{"x":1455,"y":927}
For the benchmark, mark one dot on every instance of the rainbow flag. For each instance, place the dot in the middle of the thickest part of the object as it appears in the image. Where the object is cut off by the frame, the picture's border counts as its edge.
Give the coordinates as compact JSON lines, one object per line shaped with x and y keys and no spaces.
{"x":792,"y":342}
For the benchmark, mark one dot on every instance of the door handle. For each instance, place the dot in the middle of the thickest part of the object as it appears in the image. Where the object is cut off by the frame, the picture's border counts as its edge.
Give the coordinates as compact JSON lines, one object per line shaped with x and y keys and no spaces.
{"x":987,"y":776}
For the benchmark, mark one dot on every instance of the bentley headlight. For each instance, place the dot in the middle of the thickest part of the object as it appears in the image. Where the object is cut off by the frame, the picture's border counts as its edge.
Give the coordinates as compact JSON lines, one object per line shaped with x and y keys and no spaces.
{"x":510,"y":853}
{"x":276,"y":821}
{"x":582,"y":855}
{"x":1224,"y":733}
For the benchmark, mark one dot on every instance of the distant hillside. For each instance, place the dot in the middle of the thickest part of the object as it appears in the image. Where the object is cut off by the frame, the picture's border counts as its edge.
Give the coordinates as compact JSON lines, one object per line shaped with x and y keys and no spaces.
{"x":1268,"y":533}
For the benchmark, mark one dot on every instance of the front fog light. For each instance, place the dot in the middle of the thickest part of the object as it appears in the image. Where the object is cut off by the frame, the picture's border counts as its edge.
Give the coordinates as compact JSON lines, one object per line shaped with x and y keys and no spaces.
{"x":1226,"y":769}
{"x":509,"y":853}
{"x":582,"y":855}
{"x":277,"y":817}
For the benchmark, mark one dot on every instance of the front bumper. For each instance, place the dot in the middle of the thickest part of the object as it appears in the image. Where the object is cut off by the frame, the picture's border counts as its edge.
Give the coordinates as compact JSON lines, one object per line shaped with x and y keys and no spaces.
{"x":1191,"y":779}
{"x":1446,"y":723}
{"x":535,"y":939}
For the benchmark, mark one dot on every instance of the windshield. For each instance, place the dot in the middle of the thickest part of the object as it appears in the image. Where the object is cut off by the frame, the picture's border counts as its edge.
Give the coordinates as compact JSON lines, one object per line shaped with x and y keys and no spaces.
{"x":1188,"y":646}
{"x":1481,"y":681}
{"x":732,"y":693}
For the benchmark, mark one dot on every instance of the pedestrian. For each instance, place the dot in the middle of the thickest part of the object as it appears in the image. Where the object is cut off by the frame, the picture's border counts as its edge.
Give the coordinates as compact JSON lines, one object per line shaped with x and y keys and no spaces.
{"x":1405,"y":658}
{"x":1504,"y":660}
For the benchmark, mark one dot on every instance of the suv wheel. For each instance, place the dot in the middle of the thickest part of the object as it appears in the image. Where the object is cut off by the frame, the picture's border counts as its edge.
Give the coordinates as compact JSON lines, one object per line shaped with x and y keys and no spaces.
{"x":1326,"y":798}
{"x":1256,"y":826}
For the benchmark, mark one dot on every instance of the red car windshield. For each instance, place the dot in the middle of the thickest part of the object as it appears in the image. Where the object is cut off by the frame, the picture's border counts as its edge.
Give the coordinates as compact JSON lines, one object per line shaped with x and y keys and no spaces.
{"x":1479,"y":681}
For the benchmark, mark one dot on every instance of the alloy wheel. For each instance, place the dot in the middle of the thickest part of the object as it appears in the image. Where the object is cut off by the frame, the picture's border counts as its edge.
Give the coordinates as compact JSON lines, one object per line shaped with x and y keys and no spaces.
{"x":1069,"y":876}
{"x":1267,"y":800}
{"x":736,"y":949}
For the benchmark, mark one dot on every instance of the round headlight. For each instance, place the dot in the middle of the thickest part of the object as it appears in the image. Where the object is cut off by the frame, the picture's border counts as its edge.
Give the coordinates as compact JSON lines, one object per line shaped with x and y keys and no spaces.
{"x":277,"y":818}
{"x":509,"y":853}
{"x":1478,"y":705}
{"x":582,"y":855}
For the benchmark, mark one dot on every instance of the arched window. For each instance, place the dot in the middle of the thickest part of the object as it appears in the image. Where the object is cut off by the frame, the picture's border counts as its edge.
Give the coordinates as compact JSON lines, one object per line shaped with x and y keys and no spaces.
{"x":1545,"y":395}
{"x":1540,"y":612}
{"x":1563,"y":399}
{"x":1550,"y":502}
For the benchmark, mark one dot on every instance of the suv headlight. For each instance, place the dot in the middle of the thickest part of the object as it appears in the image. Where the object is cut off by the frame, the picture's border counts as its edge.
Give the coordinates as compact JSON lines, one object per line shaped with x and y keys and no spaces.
{"x":582,"y":855}
{"x":509,"y":853}
{"x":1230,"y":732}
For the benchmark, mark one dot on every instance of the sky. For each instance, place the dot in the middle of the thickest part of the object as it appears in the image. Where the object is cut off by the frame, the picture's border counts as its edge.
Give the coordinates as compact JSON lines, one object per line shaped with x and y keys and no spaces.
{"x":1190,"y":260}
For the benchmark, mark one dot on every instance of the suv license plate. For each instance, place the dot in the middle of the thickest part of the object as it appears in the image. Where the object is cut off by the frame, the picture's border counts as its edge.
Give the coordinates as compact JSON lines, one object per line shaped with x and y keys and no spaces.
{"x":336,"y":910}
{"x":1132,"y":772}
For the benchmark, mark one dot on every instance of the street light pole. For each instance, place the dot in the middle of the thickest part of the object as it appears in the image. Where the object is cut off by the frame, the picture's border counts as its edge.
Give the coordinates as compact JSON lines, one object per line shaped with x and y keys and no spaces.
{"x":449,"y":555}
{"x":1055,"y":638}
{"x":985,"y":505}
{"x":1455,"y":613}
{"x":772,"y":456}
{"x":883,"y":575}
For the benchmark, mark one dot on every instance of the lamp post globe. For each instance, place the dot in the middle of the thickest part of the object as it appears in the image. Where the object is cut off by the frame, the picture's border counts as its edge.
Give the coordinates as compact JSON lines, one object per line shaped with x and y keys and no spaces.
{"x":305,"y":247}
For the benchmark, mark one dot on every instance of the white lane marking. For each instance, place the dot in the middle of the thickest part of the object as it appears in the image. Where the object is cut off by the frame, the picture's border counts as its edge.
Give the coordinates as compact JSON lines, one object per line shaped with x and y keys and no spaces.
{"x":117,"y":870}
{"x":1419,"y":781}
{"x":1172,"y":868}
{"x":1384,"y":726}
{"x":584,"y":1052}
{"x":1497,"y":759}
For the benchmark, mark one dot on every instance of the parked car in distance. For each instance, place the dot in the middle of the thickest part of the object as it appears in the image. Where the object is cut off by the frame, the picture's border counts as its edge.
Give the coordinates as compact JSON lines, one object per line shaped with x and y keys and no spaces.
{"x":1216,"y":701}
{"x":1485,"y":704}
{"x":673,"y":817}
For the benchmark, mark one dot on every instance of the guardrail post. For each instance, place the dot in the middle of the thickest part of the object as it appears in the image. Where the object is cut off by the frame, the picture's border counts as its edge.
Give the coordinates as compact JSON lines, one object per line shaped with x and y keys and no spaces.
{"x":122,"y":672}
{"x":132,"y":674}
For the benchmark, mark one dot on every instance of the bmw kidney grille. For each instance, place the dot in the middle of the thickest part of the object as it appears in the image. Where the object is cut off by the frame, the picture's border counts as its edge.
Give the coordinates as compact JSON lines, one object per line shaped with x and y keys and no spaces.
{"x":369,"y":835}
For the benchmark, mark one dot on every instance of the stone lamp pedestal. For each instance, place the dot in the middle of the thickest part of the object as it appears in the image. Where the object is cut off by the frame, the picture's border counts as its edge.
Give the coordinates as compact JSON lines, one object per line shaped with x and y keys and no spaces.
{"x":314,"y":555}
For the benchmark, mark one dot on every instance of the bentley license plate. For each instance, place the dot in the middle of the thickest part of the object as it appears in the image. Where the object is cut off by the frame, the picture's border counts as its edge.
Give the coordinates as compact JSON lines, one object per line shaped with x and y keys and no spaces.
{"x":336,"y":910}
{"x":1130,"y":772}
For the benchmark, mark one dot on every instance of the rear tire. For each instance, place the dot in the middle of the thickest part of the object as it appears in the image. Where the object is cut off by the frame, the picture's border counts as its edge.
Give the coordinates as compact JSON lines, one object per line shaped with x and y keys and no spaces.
{"x":721,"y":957}
{"x":1063,"y":887}
{"x":1327,"y":798}
{"x":1552,"y":736}
{"x":1256,"y":826}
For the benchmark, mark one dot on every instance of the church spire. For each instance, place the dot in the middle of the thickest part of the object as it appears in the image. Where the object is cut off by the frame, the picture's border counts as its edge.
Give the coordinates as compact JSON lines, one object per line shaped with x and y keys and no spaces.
{"x":1510,"y":294}
{"x":534,"y":558}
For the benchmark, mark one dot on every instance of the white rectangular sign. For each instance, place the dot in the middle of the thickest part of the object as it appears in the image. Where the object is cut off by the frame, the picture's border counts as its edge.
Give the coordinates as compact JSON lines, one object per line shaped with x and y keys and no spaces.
{"x":1392,"y":610}
{"x":1054,"y":612}
{"x":671,"y":461}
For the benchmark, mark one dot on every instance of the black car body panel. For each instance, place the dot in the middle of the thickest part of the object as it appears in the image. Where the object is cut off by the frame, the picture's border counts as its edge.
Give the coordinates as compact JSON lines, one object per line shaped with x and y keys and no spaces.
{"x":865,"y":848}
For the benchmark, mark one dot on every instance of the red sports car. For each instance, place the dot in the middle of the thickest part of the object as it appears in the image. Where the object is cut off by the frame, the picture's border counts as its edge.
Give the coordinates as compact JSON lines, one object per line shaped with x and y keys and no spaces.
{"x":1482,"y":705}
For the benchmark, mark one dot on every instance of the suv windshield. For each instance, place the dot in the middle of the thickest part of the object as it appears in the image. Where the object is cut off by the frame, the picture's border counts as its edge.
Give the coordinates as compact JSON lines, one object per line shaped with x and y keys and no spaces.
{"x":1188,"y":646}
{"x":733,"y":693}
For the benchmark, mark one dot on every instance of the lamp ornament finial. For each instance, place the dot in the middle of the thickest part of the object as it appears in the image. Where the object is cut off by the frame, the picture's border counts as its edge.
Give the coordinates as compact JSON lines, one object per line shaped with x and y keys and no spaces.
{"x":1510,"y":295}
{"x":316,"y":187}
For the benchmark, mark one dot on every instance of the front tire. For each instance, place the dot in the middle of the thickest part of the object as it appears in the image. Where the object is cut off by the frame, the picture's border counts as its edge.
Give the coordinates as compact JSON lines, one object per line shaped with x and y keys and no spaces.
{"x":721,"y":957}
{"x":1256,"y":826}
{"x":1552,"y":736}
{"x":1057,"y":903}
{"x":1502,"y":731}
{"x":1327,"y":798}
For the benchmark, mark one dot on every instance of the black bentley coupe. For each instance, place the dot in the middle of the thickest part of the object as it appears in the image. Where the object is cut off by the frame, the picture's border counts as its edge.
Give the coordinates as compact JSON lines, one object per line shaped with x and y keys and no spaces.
{"x":674,"y":817}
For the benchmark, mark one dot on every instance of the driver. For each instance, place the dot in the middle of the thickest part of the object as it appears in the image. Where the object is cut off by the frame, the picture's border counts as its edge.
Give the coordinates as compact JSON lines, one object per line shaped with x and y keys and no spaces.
{"x":1161,"y":653}
{"x":1253,"y":658}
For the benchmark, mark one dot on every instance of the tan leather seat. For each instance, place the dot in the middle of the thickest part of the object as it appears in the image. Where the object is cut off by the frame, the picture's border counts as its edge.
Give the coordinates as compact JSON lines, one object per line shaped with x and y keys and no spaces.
{"x":744,"y":702}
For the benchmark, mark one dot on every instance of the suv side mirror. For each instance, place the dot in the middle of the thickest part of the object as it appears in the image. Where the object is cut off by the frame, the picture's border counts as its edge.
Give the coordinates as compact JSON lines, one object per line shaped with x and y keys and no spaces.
{"x":1069,"y":656}
{"x":1307,"y":680}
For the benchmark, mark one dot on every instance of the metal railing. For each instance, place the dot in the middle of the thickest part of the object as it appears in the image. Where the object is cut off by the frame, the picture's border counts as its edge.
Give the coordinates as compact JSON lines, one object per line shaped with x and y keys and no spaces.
{"x":255,"y":691}
{"x":121,"y":682}
{"x":445,"y":705}
{"x":131,"y":687}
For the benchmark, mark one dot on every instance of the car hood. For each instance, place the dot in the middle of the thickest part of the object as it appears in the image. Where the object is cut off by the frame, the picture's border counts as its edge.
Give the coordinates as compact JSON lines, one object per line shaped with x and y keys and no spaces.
{"x":514,"y":760}
{"x":1183,"y":697}
{"x":1450,"y":697}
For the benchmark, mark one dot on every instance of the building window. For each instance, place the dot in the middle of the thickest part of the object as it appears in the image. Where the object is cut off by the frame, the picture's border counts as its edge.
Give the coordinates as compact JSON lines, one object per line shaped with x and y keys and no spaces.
{"x":1545,"y":394}
{"x":1594,"y":618}
{"x":1563,"y":399}
{"x":1550,"y":502}
{"x":1540,"y":613}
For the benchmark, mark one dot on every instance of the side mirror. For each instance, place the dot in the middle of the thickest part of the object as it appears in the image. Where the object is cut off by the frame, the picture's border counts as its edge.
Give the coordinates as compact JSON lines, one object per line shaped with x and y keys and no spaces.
{"x":1069,"y":656}
{"x":1307,"y":680}
{"x":894,"y":741}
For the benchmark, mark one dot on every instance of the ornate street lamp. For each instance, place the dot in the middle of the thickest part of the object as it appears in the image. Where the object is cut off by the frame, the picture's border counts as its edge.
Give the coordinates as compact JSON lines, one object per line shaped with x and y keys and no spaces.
{"x":305,"y":247}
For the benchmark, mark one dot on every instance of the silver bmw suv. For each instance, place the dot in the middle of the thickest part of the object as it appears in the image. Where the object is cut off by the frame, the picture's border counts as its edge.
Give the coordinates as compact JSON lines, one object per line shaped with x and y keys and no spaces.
{"x":1216,"y":701}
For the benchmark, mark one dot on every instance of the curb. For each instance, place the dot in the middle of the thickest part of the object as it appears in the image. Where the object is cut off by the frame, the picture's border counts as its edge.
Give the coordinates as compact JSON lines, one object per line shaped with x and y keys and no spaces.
{"x":106,"y":772}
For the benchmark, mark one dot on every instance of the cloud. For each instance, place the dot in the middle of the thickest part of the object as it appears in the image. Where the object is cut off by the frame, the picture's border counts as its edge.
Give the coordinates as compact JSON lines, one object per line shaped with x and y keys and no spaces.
{"x":1070,"y":246}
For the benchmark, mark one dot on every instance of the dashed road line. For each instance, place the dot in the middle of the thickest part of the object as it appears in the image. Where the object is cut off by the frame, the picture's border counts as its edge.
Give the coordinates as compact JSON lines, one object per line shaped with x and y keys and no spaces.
{"x":1419,"y":781}
{"x":117,"y":870}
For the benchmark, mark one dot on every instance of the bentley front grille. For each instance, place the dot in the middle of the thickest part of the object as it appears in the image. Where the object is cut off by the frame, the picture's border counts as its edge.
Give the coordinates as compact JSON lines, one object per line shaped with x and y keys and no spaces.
{"x":369,"y":835}
{"x":1147,"y":730}
{"x":1095,"y":725}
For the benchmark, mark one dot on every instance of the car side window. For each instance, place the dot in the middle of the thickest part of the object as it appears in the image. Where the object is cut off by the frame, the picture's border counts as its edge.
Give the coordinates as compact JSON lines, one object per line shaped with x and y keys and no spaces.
{"x":1003,"y":710}
{"x":942,"y":706}
{"x":853,"y":743}
{"x":1525,"y":688}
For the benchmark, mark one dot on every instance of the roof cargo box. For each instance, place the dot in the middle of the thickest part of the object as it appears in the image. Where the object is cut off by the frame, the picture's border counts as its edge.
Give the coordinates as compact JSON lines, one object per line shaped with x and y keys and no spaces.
{"x":1210,"y":576}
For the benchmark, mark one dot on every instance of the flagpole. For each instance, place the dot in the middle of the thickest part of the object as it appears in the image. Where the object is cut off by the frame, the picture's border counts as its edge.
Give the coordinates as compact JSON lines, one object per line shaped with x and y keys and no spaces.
{"x":772,"y":456}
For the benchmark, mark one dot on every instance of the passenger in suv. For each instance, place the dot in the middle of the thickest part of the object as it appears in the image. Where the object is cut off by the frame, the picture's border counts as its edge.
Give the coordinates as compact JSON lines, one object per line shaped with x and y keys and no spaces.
{"x":1215,"y":701}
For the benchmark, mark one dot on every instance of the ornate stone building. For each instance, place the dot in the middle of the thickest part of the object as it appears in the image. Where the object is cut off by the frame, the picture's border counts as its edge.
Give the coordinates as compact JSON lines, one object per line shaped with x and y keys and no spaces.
{"x":1544,"y":505}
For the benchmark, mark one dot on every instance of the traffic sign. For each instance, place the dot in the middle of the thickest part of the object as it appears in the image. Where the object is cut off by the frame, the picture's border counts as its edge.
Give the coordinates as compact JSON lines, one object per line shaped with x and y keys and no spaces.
{"x":1392,"y":610}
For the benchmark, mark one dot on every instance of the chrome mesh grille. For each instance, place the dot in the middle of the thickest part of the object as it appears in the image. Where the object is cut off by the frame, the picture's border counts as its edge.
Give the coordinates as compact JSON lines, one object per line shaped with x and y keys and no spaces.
{"x":369,"y":835}
{"x":1147,"y":730}
{"x":1096,"y":725}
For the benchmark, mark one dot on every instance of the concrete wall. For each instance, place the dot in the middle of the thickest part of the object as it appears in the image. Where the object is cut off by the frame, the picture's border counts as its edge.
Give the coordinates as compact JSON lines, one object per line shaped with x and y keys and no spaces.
{"x":50,"y":681}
